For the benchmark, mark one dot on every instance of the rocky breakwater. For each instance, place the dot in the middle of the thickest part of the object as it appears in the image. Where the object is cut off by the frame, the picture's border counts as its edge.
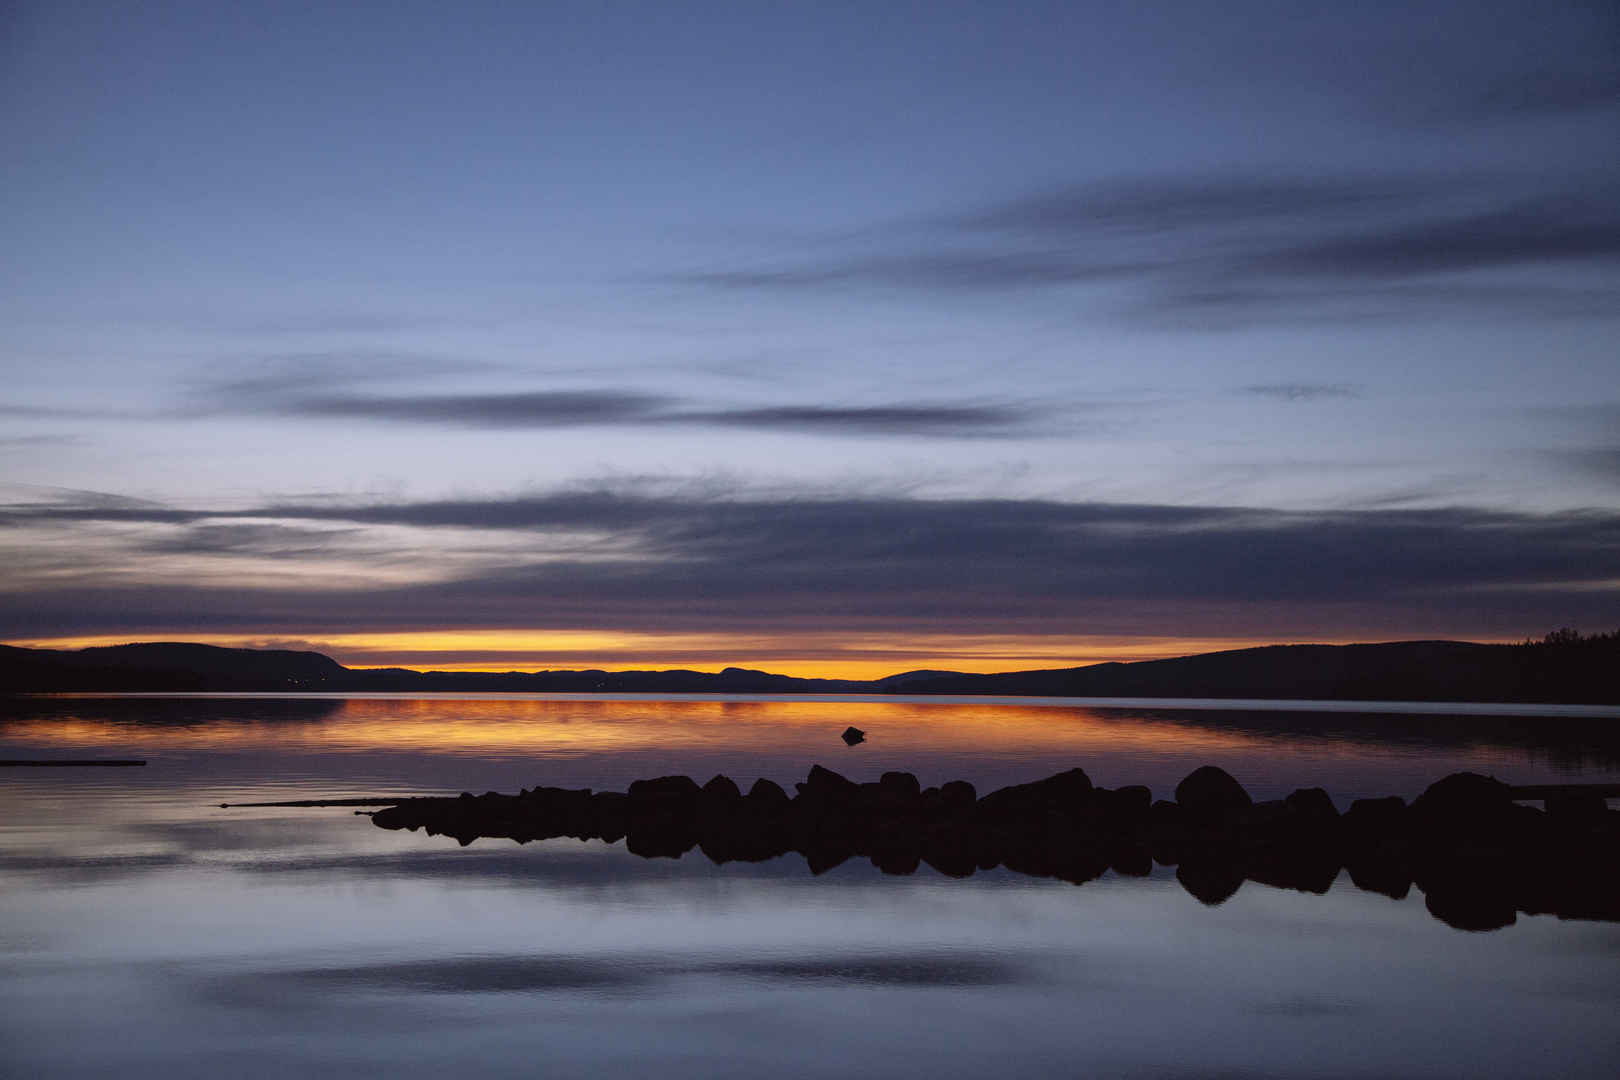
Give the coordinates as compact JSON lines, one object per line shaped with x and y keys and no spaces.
{"x":1478,"y":853}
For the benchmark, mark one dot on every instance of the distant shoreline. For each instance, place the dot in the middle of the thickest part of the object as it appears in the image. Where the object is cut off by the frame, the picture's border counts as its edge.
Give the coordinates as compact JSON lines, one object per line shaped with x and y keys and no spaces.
{"x":1548,"y":710}
{"x":1577,"y":671}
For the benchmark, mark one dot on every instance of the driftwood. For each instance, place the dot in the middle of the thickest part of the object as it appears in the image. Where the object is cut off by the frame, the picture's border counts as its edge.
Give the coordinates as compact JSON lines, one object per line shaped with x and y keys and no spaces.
{"x":69,"y":763}
{"x":1479,"y":856}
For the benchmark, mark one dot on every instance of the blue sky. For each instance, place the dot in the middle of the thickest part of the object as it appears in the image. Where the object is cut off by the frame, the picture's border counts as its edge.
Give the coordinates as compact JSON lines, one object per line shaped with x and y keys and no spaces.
{"x":283,"y":282}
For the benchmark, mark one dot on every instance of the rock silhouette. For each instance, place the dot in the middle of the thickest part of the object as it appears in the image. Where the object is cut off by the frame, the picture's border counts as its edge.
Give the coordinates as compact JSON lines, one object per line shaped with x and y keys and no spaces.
{"x":1479,"y":854}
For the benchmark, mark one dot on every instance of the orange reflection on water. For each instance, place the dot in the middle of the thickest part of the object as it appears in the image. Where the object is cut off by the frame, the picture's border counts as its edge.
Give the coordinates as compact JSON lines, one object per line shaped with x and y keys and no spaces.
{"x":545,"y":727}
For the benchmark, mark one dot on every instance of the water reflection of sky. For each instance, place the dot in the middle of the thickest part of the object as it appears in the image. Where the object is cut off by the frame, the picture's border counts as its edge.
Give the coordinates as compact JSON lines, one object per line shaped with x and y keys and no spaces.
{"x":502,"y":742}
{"x":146,"y":931}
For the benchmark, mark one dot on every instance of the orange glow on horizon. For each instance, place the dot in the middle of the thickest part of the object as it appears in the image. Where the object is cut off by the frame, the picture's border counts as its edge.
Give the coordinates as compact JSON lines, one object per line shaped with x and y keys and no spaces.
{"x":823,"y":654}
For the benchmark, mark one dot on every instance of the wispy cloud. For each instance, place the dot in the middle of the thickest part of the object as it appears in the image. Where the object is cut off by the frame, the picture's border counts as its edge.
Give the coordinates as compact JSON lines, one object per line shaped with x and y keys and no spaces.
{"x":1252,"y":247}
{"x":1163,"y":203}
{"x":1575,"y":227}
{"x":304,"y":396}
{"x":1539,"y":93}
{"x":547,"y":408}
{"x":1303,"y":391}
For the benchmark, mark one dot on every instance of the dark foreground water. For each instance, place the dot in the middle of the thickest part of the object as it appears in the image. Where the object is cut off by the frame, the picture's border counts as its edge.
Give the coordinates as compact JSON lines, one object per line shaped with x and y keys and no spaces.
{"x":145,"y":931}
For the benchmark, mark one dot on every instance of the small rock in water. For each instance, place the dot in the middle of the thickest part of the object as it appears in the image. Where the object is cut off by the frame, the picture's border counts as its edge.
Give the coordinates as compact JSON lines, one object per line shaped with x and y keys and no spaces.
{"x":1210,"y":790}
{"x":853,"y":735}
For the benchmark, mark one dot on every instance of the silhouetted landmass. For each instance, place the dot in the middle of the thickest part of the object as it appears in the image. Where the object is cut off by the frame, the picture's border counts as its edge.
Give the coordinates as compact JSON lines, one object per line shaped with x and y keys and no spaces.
{"x":1479,"y":854}
{"x":1563,"y":667}
{"x":1394,"y":671}
{"x":165,"y":665}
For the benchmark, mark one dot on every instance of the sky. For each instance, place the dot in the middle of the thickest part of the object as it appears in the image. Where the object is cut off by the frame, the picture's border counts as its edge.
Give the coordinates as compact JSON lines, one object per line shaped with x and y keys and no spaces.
{"x":824,"y":338}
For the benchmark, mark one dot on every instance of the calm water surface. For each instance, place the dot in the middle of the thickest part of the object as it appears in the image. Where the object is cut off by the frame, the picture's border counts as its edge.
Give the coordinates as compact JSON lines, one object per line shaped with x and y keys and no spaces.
{"x":146,"y":931}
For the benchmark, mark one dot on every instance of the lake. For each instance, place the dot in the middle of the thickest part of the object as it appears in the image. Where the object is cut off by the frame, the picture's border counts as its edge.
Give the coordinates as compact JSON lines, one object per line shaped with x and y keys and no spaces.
{"x":147,"y":931}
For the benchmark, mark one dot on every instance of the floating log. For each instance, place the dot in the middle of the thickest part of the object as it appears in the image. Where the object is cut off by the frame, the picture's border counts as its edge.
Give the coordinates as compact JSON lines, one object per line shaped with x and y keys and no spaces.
{"x":384,"y":800}
{"x":69,"y":763}
{"x":1538,"y":792}
{"x":1479,"y":857}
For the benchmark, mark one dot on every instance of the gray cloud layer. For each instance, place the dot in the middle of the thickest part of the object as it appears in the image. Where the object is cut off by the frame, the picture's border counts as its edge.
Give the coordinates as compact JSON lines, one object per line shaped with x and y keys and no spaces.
{"x":948,"y":565}
{"x":600,"y":407}
{"x":1266,"y":244}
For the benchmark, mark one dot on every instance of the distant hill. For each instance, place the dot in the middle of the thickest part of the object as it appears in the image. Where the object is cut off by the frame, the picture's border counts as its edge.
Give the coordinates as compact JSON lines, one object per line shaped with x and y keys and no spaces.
{"x":1571,"y":669}
{"x":166,"y":665}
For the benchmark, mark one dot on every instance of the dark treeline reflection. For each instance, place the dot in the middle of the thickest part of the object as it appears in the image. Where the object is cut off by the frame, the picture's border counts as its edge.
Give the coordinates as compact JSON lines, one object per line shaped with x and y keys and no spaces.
{"x":168,"y":711}
{"x":1479,"y":856}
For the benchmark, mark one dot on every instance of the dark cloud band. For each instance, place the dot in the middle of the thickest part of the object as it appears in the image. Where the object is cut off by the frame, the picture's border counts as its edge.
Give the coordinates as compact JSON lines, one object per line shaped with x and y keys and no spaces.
{"x":958,"y":566}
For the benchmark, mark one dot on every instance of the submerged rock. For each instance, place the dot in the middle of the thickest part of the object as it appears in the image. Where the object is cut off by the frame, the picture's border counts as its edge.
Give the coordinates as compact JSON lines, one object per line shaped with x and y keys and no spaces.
{"x":853,"y":735}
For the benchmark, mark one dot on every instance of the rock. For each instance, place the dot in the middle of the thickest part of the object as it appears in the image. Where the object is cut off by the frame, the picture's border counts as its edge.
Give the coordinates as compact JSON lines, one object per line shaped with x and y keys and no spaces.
{"x":1067,"y":792}
{"x":1130,"y":860}
{"x":853,"y":735}
{"x":664,"y":788}
{"x":901,"y":784}
{"x":721,"y":788}
{"x":1118,"y":810}
{"x":825,"y":780}
{"x":658,"y":839}
{"x":823,"y":790}
{"x":767,"y":795}
{"x":1210,"y":791}
{"x":1463,"y":799}
{"x":1165,"y":812}
{"x":1265,"y":817}
{"x":1312,"y":805}
{"x":1133,"y":800}
{"x":1463,"y":907}
{"x":957,"y":795}
{"x":1390,"y":877}
{"x":1577,"y":807}
{"x":1375,"y":817}
{"x":897,"y":862}
{"x":1212,"y":881}
{"x":1480,"y":857}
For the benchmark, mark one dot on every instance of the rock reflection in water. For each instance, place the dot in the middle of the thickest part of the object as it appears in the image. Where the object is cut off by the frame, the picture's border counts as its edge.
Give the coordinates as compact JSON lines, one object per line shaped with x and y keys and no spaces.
{"x":1479,"y":855}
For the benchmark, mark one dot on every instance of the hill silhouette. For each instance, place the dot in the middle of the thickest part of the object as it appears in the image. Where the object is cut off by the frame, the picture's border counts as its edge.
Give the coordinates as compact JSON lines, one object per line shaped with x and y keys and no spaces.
{"x":1561,"y":668}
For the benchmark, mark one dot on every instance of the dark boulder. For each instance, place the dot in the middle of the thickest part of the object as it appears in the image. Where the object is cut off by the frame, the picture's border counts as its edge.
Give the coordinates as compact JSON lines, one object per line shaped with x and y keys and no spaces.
{"x":957,"y":795}
{"x":823,"y":780}
{"x":1130,"y":860}
{"x":721,"y":788}
{"x":1387,"y":876}
{"x":822,"y":858}
{"x":1121,"y":809}
{"x":1368,"y":818}
{"x":1067,"y":792}
{"x":659,"y":839}
{"x":767,"y":795}
{"x":1463,"y":799}
{"x":1163,"y":812}
{"x":853,"y":735}
{"x":901,"y":784}
{"x":664,"y":788}
{"x":1577,"y":807}
{"x":1211,"y":881}
{"x":1312,"y":806}
{"x":1210,"y":790}
{"x":823,"y":791}
{"x":897,"y":861}
{"x":1463,"y":908}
